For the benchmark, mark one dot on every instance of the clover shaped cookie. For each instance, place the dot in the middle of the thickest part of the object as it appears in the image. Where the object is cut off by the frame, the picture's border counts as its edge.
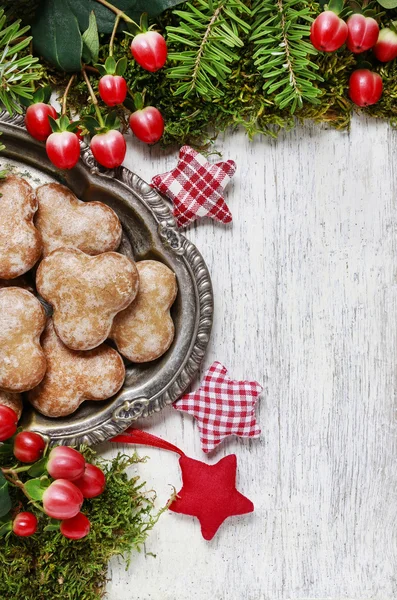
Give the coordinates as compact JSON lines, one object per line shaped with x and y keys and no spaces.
{"x":64,"y":221}
{"x":20,"y":241}
{"x":145,"y":330}
{"x":73,"y":377}
{"x":86,"y":292}
{"x":22,"y":360}
{"x":13,"y":401}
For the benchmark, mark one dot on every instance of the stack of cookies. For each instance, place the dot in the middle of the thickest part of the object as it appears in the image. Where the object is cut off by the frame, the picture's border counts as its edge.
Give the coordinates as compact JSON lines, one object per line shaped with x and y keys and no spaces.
{"x":95,"y":294}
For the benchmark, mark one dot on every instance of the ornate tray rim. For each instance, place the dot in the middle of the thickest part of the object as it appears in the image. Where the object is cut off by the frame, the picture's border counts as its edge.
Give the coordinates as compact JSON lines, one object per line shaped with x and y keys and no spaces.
{"x":125,"y":414}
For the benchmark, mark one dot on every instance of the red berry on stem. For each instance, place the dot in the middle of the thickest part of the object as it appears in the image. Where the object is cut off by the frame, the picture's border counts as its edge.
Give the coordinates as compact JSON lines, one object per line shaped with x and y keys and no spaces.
{"x":28,"y":446}
{"x":112,"y":89}
{"x":65,"y":463}
{"x":24,"y":524}
{"x":62,"y":499}
{"x":8,"y":422}
{"x":362,"y":33}
{"x":365,"y":87}
{"x":385,"y":48}
{"x":63,"y":149}
{"x":36,"y":120}
{"x":149,"y":50}
{"x":147,"y":124}
{"x":75,"y":528}
{"x":328,"y":32}
{"x":109,"y":148}
{"x":92,"y":483}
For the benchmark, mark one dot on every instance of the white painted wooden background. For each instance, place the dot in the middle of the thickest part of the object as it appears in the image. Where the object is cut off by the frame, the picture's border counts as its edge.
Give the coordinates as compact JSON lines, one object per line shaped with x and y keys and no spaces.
{"x":305,"y":283}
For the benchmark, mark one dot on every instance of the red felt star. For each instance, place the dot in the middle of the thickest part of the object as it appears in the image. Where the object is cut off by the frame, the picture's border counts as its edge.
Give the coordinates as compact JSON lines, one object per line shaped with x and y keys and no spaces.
{"x":196,"y":187}
{"x":209,"y":493}
{"x":222,"y":407}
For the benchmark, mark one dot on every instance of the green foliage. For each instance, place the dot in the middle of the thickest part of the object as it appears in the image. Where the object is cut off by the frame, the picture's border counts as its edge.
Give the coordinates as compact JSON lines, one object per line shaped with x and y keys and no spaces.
{"x":5,"y":502}
{"x":47,"y":566}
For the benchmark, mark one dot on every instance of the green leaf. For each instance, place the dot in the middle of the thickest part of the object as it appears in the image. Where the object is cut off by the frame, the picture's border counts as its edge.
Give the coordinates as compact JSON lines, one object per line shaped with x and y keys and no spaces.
{"x":6,"y":450}
{"x":105,"y":18}
{"x":388,"y":3}
{"x":56,"y":35}
{"x":5,"y":528}
{"x":38,"y":468}
{"x":110,"y":65}
{"x":91,"y":41}
{"x":34,"y":489}
{"x":5,"y":502}
{"x":336,"y":6}
{"x":154,"y":7}
{"x":52,"y":527}
{"x":121,"y":66}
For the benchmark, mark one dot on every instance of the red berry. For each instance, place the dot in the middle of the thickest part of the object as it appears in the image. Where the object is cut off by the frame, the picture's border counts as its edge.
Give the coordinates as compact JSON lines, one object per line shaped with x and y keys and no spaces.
{"x":24,"y":524}
{"x":385,"y":48}
{"x":75,"y":528}
{"x":63,"y":149}
{"x":365,"y":87}
{"x":65,"y":463}
{"x":109,"y":148}
{"x":112,"y":89}
{"x":362,"y":33}
{"x":328,"y":32}
{"x":62,"y":499}
{"x":36,"y":120}
{"x":8,"y":422}
{"x":28,"y":446}
{"x":147,"y":124}
{"x":149,"y":50}
{"x":92,"y":483}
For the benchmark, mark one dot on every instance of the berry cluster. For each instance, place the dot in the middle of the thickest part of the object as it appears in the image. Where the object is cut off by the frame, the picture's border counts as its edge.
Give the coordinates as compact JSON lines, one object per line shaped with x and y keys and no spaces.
{"x":360,"y":33}
{"x":107,"y":144}
{"x":56,"y":484}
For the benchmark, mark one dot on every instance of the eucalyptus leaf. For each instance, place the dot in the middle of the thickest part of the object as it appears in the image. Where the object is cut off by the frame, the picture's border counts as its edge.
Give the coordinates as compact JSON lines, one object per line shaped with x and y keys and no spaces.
{"x":5,"y":502}
{"x":91,"y":41}
{"x":388,"y":3}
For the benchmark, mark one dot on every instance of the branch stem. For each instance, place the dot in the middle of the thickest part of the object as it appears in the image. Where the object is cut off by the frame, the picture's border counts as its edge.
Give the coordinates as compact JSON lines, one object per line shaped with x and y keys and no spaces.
{"x":65,"y":95}
{"x":288,"y":59}
{"x":116,"y":24}
{"x":202,"y":46}
{"x":14,"y":480}
{"x":117,"y":11}
{"x":93,"y":97}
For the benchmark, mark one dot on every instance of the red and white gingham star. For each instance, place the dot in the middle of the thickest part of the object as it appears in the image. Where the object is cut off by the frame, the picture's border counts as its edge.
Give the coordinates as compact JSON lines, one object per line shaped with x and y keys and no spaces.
{"x":196,"y":187}
{"x":222,"y":407}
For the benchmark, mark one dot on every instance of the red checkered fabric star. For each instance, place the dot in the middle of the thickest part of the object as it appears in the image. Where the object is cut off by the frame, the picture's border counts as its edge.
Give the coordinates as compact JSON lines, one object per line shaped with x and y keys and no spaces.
{"x":222,"y":407}
{"x":196,"y":187}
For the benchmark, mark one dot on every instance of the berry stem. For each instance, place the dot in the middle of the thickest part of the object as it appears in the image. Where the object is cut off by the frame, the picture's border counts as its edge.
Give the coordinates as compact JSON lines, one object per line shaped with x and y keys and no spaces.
{"x":15,"y":481}
{"x":116,"y":24}
{"x":65,"y":95}
{"x":93,"y":98}
{"x":117,"y":12}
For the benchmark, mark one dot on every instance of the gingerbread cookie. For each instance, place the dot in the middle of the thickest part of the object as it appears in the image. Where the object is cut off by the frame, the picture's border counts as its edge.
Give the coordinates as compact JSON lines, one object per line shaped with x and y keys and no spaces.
{"x":73,"y":377}
{"x":144,"y":331}
{"x":86,"y":292}
{"x":20,"y":241}
{"x":22,"y":360}
{"x":64,"y":221}
{"x":13,"y":401}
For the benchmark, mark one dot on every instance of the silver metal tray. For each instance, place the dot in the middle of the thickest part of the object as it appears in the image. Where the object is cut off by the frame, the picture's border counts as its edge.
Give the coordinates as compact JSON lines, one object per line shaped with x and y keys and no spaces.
{"x":149,"y":231}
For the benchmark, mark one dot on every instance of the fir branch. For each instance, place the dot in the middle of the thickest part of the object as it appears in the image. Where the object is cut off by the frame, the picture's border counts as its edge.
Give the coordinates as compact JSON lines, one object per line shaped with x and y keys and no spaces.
{"x":283,"y":56}
{"x":209,"y":31}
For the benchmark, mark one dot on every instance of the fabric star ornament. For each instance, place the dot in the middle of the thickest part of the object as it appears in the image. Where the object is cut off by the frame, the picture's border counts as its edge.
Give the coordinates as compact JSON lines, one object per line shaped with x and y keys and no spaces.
{"x":222,"y":407}
{"x":208,"y":491}
{"x":196,"y":187}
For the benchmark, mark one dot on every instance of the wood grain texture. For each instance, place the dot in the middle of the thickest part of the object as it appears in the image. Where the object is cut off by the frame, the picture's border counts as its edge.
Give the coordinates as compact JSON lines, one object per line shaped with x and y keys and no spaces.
{"x":305,"y":291}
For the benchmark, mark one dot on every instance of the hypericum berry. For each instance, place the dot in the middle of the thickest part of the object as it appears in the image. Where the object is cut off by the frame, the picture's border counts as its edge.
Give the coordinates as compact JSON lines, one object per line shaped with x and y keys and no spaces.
{"x":93,"y":481}
{"x":62,"y":499}
{"x":75,"y":528}
{"x":8,"y":422}
{"x":63,"y":149}
{"x":65,"y":463}
{"x":36,"y":120}
{"x":362,"y":33}
{"x":24,"y":524}
{"x":109,"y":148}
{"x":365,"y":87}
{"x":385,"y":48}
{"x":147,"y":124}
{"x":328,"y":32}
{"x":28,"y":446}
{"x":149,"y":50}
{"x":112,"y":89}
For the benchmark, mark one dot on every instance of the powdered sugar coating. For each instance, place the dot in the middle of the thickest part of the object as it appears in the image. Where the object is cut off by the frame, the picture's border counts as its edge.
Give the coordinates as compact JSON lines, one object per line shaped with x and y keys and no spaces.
{"x":13,"y":401}
{"x":22,"y":320}
{"x":64,"y":221}
{"x":145,"y":330}
{"x":73,"y":377}
{"x":86,"y":292}
{"x":20,"y":241}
